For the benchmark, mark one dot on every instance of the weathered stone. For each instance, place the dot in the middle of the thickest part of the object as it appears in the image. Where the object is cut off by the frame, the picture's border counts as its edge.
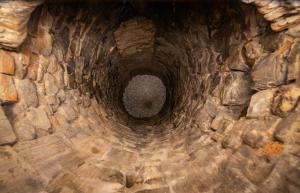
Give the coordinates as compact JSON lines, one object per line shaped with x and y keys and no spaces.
{"x":61,"y":95}
{"x":32,"y":69}
{"x":48,"y":155}
{"x":135,"y":36}
{"x":258,"y":132}
{"x":253,"y":50}
{"x":260,"y":104}
{"x":236,"y":60}
{"x":286,"y":99}
{"x":39,"y":119}
{"x":43,"y":65}
{"x":221,"y":121}
{"x":7,"y":134}
{"x":293,"y":62}
{"x":286,"y":130}
{"x":269,"y":71}
{"x":22,"y":61}
{"x":44,"y":40}
{"x":27,"y":92}
{"x":236,"y":90}
{"x":8,"y":91}
{"x":25,"y":131}
{"x":15,"y":16}
{"x":15,"y":175}
{"x":7,"y":64}
{"x":53,"y":102}
{"x":68,"y":112}
{"x":50,"y":85}
{"x":53,"y":65}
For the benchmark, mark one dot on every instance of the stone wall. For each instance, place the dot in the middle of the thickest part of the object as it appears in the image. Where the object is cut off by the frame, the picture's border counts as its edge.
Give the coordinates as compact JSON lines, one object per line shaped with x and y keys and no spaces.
{"x":230,"y":123}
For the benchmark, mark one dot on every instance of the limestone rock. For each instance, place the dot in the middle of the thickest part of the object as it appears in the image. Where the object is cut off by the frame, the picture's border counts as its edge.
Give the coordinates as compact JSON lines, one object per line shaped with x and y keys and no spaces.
{"x":269,"y":71}
{"x":27,"y":92}
{"x":7,"y":64}
{"x":236,"y":89}
{"x":260,"y":104}
{"x":7,"y":134}
{"x":8,"y":91}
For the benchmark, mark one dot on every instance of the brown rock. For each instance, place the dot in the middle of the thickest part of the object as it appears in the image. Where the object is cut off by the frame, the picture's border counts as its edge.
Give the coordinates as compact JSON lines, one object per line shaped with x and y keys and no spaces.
{"x":50,"y":85}
{"x":27,"y":92}
{"x":25,"y":131}
{"x":236,"y":90}
{"x":286,"y":99}
{"x":135,"y":36}
{"x":13,"y":27}
{"x":48,"y":155}
{"x":39,"y":119}
{"x":7,"y":64}
{"x":8,"y":91}
{"x":236,"y":60}
{"x":22,"y":61}
{"x":33,"y":67}
{"x":68,"y":112}
{"x":269,"y":71}
{"x":7,"y":134}
{"x":15,"y":177}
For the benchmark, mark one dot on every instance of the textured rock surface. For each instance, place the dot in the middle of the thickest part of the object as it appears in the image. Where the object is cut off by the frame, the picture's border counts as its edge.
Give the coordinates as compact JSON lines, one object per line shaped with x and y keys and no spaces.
{"x":8,"y":92}
{"x":14,"y":17}
{"x":230,"y":122}
{"x":7,"y":134}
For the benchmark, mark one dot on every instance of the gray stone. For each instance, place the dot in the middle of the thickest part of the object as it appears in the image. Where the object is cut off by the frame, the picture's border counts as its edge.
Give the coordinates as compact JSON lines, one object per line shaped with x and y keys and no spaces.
{"x":7,"y":134}
{"x":27,"y":92}
{"x":236,"y":90}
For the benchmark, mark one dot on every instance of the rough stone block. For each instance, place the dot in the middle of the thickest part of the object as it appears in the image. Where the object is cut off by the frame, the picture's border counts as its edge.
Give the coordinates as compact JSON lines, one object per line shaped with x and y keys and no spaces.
{"x":7,"y":134}
{"x":8,"y":91}
{"x":15,"y":175}
{"x":236,"y":90}
{"x":268,"y":72}
{"x":7,"y":64}
{"x":260,"y":104}
{"x":48,"y":155}
{"x":27,"y":92}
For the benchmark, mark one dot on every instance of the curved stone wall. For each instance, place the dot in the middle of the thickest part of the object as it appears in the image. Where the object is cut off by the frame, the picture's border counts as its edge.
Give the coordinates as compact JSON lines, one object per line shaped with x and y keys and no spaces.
{"x":230,"y":122}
